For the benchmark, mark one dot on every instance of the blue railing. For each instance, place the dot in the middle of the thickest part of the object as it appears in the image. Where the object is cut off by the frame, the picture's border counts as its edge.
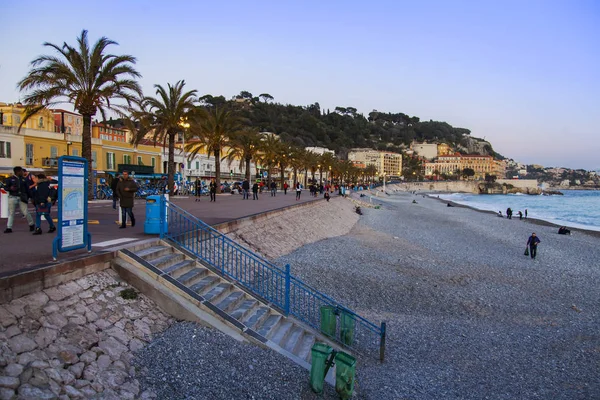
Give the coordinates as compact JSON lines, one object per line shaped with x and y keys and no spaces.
{"x":274,"y":284}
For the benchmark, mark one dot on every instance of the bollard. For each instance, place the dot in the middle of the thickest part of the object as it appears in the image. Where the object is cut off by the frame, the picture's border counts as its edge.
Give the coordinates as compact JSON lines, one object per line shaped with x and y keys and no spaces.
{"x":3,"y":203}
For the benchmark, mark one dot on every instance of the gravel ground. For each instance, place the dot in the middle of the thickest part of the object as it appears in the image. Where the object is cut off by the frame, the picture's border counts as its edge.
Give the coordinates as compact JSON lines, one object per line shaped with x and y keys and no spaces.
{"x":193,"y":362}
{"x":469,"y":316}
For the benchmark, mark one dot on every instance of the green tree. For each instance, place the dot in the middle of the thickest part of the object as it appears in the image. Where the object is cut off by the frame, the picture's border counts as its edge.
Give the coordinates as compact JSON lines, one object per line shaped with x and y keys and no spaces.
{"x":269,"y":151}
{"x":168,"y":112}
{"x":266,"y":97}
{"x":244,"y":146}
{"x":468,"y":172}
{"x":87,"y":77}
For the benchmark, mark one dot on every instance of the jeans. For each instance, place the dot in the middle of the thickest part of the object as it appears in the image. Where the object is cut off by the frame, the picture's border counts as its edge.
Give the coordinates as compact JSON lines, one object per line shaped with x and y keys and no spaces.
{"x":273,"y":192}
{"x":115,"y":202}
{"x":13,"y":203}
{"x":245,"y":193}
{"x":533,"y":251}
{"x":254,"y":195}
{"x":46,"y":215}
{"x":124,"y":213}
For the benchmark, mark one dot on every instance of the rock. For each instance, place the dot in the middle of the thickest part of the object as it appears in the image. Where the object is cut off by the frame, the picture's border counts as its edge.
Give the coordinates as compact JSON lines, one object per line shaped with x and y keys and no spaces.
{"x":141,"y":330}
{"x":118,"y":334}
{"x":132,"y":387}
{"x":89,"y":374}
{"x":54,"y":321}
{"x":11,"y":331}
{"x":124,"y":394}
{"x":53,"y":374}
{"x":34,"y":300}
{"x":30,"y":392}
{"x":112,"y":347}
{"x":29,"y":357}
{"x":73,"y":393}
{"x":102,"y":324}
{"x":60,"y":292}
{"x":86,"y":294}
{"x":10,"y":382}
{"x":51,"y":308}
{"x":6,"y":318}
{"x":112,"y":378}
{"x":45,"y":336}
{"x":55,"y":387}
{"x":136,"y":344}
{"x":104,"y":362}
{"x":91,"y":316}
{"x":97,"y":387}
{"x":29,"y":324}
{"x":79,"y":383}
{"x":86,"y":282}
{"x":77,"y":319}
{"x":120,"y":365}
{"x":147,"y":395}
{"x":21,"y":344}
{"x":88,"y":357}
{"x":7,"y":394}
{"x":68,"y":357}
{"x":55,"y":363}
{"x":13,"y":370}
{"x":61,"y":344}
{"x":88,"y":392}
{"x":67,"y":377}
{"x":39,"y":364}
{"x":77,"y":369}
{"x":131,"y":313}
{"x":39,"y":378}
{"x":80,"y":336}
{"x":26,"y":375}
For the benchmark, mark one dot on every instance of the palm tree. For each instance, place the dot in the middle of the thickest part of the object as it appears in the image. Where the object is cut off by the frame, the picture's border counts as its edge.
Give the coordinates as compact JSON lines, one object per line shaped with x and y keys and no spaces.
{"x":244,"y":146}
{"x":327,"y":160}
{"x":297,"y":161}
{"x":166,"y":113}
{"x":84,"y":76}
{"x":212,"y":130}
{"x":269,"y":149}
{"x":283,"y":155}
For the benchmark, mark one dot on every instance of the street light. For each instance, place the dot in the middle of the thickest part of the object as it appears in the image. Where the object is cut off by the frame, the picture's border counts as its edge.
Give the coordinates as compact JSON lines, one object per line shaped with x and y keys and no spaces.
{"x":185,"y":125}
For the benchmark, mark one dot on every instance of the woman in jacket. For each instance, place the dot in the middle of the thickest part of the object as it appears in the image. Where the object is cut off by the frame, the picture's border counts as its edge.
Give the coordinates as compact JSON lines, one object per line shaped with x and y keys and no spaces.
{"x":42,"y":199}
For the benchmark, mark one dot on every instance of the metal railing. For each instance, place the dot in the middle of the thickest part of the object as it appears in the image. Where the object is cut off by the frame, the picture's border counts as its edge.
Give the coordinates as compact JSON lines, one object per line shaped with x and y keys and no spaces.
{"x":273,"y":284}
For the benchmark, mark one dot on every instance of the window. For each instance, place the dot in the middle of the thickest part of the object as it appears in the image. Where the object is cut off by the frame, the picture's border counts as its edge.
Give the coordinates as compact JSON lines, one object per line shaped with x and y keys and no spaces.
{"x":70,"y":118}
{"x":69,"y":130}
{"x":189,"y":164}
{"x":110,"y":161}
{"x":54,"y":152}
{"x":197,"y":164}
{"x":29,"y":154}
{"x":94,"y":158}
{"x":139,"y":160}
{"x":41,"y":122}
{"x":78,"y":121}
{"x":76,"y":152}
{"x":126,"y":159}
{"x":153,"y":160}
{"x":2,"y":150}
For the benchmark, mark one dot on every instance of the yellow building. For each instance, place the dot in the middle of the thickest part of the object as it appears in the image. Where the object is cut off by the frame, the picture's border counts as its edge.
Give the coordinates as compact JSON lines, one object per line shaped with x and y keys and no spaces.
{"x":450,"y":164}
{"x":386,"y":162}
{"x":443,"y":149}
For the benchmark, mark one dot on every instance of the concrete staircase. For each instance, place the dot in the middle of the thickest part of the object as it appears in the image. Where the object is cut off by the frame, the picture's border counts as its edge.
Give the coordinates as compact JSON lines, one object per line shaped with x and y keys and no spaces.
{"x":256,"y":320}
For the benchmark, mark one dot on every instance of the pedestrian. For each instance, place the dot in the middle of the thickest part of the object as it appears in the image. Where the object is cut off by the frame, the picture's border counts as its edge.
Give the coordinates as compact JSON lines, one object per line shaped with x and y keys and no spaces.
{"x":533,"y":242}
{"x":508,"y":213}
{"x":255,"y":191}
{"x":525,"y":213}
{"x":246,"y":189}
{"x":273,"y":189}
{"x":29,"y":182}
{"x":126,"y":189}
{"x":113,"y":187}
{"x":285,"y":187}
{"x":42,"y":199}
{"x":327,"y":196}
{"x":18,"y":196}
{"x":298,"y":190}
{"x":520,"y":215}
{"x":198,"y":189}
{"x":213,"y":190}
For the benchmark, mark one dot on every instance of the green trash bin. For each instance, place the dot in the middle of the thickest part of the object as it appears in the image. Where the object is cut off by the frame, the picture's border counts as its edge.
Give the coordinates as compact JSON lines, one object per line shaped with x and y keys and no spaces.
{"x":345,"y":368}
{"x":320,"y":352}
{"x":328,"y":320}
{"x":347,"y":324}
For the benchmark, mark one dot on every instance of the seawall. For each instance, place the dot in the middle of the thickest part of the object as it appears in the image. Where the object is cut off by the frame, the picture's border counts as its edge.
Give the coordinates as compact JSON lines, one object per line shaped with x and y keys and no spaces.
{"x":461,"y":186}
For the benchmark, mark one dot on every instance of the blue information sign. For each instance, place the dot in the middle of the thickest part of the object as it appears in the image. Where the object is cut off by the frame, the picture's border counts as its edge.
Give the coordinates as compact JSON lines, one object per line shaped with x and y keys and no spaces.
{"x":72,"y":206}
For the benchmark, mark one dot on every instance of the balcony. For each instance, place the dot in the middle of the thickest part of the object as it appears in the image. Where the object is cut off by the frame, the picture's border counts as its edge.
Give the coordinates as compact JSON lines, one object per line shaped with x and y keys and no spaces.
{"x":50,"y":162}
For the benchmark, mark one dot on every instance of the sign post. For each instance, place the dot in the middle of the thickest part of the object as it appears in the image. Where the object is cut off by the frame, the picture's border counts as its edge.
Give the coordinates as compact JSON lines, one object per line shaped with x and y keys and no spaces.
{"x":72,"y":206}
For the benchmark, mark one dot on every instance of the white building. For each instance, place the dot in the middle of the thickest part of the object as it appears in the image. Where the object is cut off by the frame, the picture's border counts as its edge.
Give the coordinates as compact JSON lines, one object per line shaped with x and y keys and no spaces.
{"x":427,"y":150}
{"x":320,"y":150}
{"x":386,"y":162}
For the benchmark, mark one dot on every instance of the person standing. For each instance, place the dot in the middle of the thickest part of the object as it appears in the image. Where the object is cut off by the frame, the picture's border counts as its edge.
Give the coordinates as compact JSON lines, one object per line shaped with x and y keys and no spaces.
{"x":255,"y":191}
{"x":113,"y":187}
{"x":326,"y":196}
{"x":126,"y":189}
{"x":246,"y":189}
{"x":198,"y":189}
{"x":298,"y":190}
{"x":533,"y":242}
{"x":212,"y":188}
{"x":43,"y":202}
{"x":18,"y":196}
{"x":285,"y":187}
{"x":525,"y":213}
{"x":273,"y":189}
{"x":508,"y":213}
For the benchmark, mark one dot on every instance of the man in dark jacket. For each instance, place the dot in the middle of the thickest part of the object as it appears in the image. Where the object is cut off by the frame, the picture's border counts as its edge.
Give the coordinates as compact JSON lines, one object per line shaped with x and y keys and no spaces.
{"x":113,"y":187}
{"x":246,"y":189}
{"x":273,"y":189}
{"x":43,"y":202}
{"x":18,"y":196}
{"x":255,"y":191}
{"x":533,"y":242}
{"x":126,"y":189}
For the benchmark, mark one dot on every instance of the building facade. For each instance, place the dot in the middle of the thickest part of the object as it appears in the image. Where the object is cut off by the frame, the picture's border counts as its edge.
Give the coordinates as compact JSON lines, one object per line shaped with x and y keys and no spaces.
{"x":426,"y":150}
{"x":67,"y":122}
{"x":387,"y":163}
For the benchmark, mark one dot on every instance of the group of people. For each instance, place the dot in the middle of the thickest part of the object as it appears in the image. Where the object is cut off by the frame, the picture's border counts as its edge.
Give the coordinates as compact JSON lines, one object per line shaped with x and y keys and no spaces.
{"x":23,"y":187}
{"x":509,"y":213}
{"x":124,"y":188}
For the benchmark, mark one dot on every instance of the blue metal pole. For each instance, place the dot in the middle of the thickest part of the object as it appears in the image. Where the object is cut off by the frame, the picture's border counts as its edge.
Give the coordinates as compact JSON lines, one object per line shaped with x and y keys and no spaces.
{"x":162,"y":211}
{"x":287,"y":289}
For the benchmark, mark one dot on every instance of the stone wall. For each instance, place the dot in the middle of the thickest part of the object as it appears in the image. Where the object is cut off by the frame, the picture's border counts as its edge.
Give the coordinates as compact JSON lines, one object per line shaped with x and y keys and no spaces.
{"x":460,"y":186}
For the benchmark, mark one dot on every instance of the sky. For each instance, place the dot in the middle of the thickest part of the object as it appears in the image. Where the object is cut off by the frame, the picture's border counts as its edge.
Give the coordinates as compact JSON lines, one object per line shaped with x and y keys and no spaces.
{"x":524,"y":75}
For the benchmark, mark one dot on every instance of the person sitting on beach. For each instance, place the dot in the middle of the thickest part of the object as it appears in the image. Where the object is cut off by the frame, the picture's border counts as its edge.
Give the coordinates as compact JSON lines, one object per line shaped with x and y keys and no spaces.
{"x":415,"y":202}
{"x":449,"y":205}
{"x":564,"y":231}
{"x":500,"y":214}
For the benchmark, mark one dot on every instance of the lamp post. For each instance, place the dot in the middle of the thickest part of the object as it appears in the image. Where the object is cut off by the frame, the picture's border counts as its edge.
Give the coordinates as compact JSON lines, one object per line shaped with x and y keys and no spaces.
{"x":185,"y":125}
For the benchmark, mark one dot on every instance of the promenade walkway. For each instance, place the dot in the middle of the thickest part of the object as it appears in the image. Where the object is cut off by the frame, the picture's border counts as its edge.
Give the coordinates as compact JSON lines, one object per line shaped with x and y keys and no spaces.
{"x":21,"y":250}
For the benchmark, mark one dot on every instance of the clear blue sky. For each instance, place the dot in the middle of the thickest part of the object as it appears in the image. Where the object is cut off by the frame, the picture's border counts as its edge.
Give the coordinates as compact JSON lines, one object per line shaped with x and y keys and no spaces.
{"x":523,"y":74}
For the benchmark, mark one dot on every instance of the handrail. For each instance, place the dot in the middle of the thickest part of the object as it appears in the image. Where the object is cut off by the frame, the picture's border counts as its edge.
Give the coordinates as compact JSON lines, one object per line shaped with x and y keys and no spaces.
{"x":274,"y":284}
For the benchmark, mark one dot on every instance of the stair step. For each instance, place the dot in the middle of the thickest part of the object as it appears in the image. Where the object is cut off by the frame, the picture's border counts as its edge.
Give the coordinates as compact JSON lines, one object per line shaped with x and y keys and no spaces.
{"x":217,"y":291}
{"x":165,"y":261}
{"x":205,"y":284}
{"x":293,"y":337}
{"x":280,"y":333}
{"x":269,"y":324}
{"x":192,"y":276}
{"x":179,"y":269}
{"x":153,"y":252}
{"x":243,"y":309}
{"x":304,"y":347}
{"x":230,"y":301}
{"x":255,"y":319}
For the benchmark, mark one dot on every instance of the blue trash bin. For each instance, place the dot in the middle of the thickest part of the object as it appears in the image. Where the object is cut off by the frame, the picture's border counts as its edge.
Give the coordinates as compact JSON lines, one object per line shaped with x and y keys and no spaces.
{"x":152,"y":224}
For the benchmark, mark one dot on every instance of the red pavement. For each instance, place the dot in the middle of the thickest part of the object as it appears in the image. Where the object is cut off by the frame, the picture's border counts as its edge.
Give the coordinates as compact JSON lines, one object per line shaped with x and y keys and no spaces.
{"x":21,"y":250}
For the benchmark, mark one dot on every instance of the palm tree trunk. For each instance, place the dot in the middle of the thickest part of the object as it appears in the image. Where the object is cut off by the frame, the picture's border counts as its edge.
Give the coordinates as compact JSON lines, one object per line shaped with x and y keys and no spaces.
{"x":305,"y":177}
{"x":295,"y":176}
{"x":248,"y":172}
{"x":282,"y":176}
{"x":86,"y":152}
{"x":171,"y":164}
{"x":217,"y":154}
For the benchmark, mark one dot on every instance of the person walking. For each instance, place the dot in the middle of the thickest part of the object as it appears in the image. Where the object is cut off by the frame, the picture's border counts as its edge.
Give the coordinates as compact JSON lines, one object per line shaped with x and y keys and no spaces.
{"x":298,"y":190}
{"x":42,"y":199}
{"x":508,"y":213}
{"x":198,"y":189}
{"x":525,"y":213}
{"x":246,"y":189}
{"x":213,"y":190}
{"x":273,"y":189}
{"x":255,"y":191}
{"x":126,"y":189}
{"x":533,"y":242}
{"x":18,"y":196}
{"x":326,"y":196}
{"x":285,"y":187}
{"x":113,"y":187}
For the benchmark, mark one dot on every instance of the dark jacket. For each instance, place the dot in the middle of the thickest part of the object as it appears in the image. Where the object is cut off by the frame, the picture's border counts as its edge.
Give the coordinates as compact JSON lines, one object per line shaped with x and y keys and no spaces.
{"x":126,"y":189}
{"x":255,"y":188}
{"x":246,"y":185}
{"x":533,"y":241}
{"x":213,"y":187}
{"x":41,"y":192}
{"x":113,"y":186}
{"x":17,"y":186}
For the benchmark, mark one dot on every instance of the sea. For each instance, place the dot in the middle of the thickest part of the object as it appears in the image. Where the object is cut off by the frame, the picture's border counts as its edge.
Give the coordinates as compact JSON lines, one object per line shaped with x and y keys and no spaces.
{"x":575,"y":208}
